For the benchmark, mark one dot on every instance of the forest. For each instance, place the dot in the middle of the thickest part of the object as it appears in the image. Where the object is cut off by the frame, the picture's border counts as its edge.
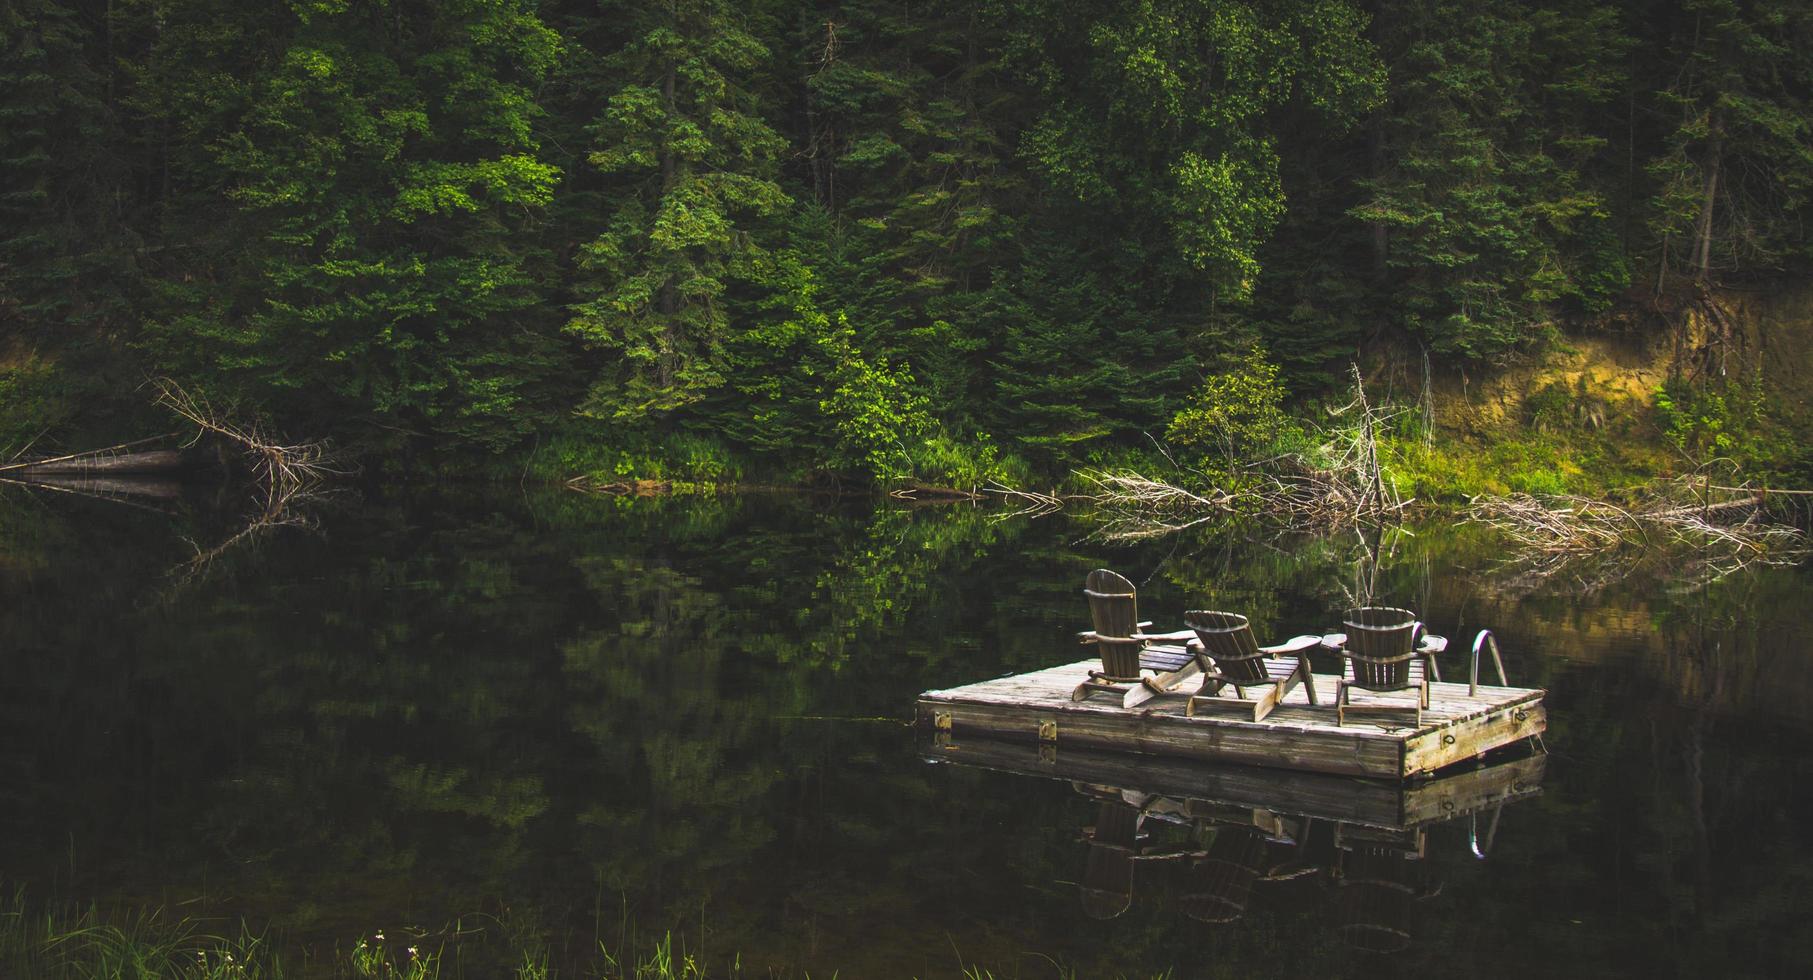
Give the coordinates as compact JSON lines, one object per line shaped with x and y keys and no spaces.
{"x":861,"y":241}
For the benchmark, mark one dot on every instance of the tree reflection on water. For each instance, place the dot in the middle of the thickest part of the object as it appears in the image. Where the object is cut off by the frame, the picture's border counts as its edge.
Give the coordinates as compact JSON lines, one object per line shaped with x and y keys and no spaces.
{"x":562,"y":714}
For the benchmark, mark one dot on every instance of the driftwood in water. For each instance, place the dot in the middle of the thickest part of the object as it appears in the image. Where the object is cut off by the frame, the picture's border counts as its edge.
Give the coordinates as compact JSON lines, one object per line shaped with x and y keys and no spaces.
{"x":108,"y":459}
{"x":154,"y":461}
{"x":112,"y":485}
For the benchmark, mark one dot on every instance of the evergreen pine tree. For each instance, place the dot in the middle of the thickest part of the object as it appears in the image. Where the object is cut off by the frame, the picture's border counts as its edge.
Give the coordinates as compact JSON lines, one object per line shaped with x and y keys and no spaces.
{"x":691,"y":167}
{"x":390,"y":167}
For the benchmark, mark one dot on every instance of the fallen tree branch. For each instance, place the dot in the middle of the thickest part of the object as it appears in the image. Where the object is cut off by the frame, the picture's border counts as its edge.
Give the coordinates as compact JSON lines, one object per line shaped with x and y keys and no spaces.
{"x":87,"y":454}
{"x":282,"y":468}
{"x":1596,"y":542}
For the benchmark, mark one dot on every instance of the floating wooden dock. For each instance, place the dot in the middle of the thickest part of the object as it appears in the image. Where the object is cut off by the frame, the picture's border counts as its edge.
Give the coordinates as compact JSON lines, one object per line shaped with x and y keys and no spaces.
{"x":1197,"y":788}
{"x":1037,"y":707}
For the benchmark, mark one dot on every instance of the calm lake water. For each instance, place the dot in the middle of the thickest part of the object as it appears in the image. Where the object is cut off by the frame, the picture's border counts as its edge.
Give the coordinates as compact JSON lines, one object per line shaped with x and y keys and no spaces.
{"x":508,"y":720}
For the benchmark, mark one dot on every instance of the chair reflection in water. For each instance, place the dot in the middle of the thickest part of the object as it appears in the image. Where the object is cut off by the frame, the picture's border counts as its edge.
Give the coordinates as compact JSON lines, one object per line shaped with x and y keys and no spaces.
{"x":1107,"y":886}
{"x":1243,"y":853}
{"x":1372,"y":878}
{"x":1218,"y":880}
{"x":1379,"y":877}
{"x":1116,"y":842}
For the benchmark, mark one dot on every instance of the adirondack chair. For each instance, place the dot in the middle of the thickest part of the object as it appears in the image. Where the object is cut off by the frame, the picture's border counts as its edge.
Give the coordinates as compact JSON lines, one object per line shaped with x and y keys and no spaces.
{"x":1385,"y":650}
{"x":1126,"y":649}
{"x":1238,"y":661}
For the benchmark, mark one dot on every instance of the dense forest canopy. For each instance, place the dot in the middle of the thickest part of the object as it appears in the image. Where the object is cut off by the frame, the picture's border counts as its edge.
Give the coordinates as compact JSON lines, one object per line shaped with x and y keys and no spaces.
{"x":862,"y":238}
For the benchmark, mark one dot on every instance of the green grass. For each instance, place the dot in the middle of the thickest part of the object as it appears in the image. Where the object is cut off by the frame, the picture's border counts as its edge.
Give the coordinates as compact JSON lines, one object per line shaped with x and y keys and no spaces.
{"x":1589,"y":464}
{"x":143,"y":945}
{"x":69,"y":943}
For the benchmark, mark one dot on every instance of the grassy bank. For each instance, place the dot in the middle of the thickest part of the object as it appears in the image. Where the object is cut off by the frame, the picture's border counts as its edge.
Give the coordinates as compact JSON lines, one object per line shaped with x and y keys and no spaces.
{"x":86,"y":943}
{"x":69,"y":943}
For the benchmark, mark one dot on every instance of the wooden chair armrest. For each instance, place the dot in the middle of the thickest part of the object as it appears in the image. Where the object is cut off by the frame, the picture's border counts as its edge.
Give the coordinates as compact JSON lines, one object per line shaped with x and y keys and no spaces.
{"x":1432,"y":644}
{"x":1180,"y":636}
{"x":1334,"y":641}
{"x":1296,"y":644}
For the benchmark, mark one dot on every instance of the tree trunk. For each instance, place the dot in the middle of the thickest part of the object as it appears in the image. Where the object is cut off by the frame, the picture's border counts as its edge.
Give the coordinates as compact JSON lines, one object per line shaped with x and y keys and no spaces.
{"x":1715,"y":151}
{"x":667,"y":303}
{"x":1381,"y":239}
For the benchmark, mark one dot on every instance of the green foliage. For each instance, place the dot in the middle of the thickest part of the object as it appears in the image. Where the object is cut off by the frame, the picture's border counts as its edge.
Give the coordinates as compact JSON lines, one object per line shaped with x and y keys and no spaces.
{"x":683,"y":457}
{"x":372,"y":959}
{"x":1571,"y":460}
{"x":1557,"y":406}
{"x":1730,"y":420}
{"x":60,"y":267}
{"x":871,"y":408}
{"x":838,"y":238}
{"x":35,"y":397}
{"x":388,"y":192}
{"x":60,"y":945}
{"x":1486,"y":208}
{"x":1151,"y":115}
{"x":1734,"y":169}
{"x":1236,"y":413}
{"x":945,"y":461}
{"x":57,"y":943}
{"x":692,"y":166}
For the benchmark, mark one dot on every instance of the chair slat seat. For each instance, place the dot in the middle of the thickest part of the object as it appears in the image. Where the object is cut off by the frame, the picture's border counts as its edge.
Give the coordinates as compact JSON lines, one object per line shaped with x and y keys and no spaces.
{"x":1164,"y":659}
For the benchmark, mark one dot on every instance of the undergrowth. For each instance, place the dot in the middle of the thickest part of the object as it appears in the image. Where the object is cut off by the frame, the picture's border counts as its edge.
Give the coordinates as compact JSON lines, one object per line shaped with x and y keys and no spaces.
{"x":88,"y":943}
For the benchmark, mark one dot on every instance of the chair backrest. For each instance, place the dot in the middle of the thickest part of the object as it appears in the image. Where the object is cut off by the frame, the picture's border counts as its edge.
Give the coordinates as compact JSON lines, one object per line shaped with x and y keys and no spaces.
{"x":1114,"y":610}
{"x":1381,"y":641}
{"x":1228,"y":638}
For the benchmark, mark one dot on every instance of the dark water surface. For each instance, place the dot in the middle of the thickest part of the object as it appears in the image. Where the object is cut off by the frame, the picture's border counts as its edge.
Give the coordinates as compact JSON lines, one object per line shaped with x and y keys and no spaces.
{"x":552,"y":718}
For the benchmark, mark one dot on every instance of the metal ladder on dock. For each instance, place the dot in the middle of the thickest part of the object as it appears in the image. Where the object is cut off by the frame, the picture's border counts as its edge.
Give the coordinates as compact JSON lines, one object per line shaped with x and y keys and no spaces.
{"x":1485,"y":640}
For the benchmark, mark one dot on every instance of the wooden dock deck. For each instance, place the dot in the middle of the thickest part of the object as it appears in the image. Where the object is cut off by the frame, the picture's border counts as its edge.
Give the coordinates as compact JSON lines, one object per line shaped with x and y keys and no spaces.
{"x":1037,"y":707}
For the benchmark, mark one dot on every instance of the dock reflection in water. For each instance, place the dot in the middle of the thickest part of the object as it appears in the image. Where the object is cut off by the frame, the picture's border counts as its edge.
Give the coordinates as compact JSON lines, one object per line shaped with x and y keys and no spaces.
{"x":1223,"y":841}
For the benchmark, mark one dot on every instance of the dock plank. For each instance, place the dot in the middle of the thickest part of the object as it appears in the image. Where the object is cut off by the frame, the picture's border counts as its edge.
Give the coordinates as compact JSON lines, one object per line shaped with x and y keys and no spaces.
{"x":1297,"y":735}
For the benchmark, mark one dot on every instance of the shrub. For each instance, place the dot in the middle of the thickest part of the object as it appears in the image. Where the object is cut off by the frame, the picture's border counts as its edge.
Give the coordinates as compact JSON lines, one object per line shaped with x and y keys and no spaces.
{"x":1237,"y":414}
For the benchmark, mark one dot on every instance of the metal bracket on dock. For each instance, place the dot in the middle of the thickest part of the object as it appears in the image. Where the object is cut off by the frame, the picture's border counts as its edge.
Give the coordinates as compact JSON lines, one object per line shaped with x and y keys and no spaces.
{"x":941,"y":721}
{"x":1048,"y":730}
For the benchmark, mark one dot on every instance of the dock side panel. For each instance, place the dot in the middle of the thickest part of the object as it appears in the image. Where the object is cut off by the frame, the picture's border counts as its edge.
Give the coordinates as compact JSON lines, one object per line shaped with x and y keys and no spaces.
{"x":1339,"y":752}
